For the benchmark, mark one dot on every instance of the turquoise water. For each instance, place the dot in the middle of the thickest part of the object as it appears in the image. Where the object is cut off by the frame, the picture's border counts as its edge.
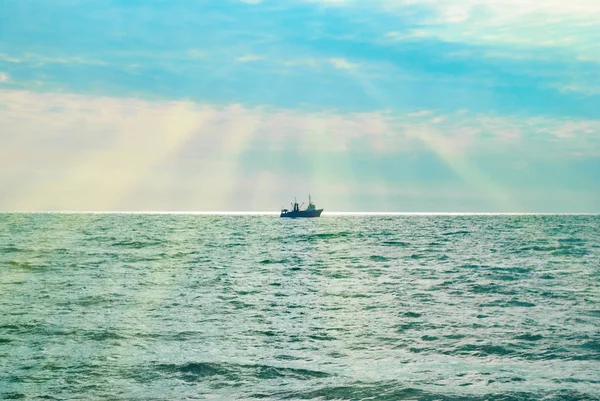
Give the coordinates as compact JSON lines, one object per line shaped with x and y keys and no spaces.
{"x":117,"y":306}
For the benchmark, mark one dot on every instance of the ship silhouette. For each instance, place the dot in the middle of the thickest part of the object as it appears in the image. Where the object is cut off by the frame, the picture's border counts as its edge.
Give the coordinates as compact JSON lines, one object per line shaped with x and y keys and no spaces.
{"x":295,"y":212}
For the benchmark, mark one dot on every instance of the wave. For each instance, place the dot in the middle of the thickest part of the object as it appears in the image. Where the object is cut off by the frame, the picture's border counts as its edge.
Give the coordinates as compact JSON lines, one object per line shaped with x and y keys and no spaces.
{"x":412,"y":314}
{"x":102,"y":335}
{"x":273,"y":262}
{"x":538,"y":248}
{"x":195,"y":371}
{"x":12,"y":249}
{"x":395,"y":243}
{"x":37,"y":328}
{"x":12,"y":395}
{"x":358,"y":391}
{"x":529,"y":337}
{"x":481,"y":350}
{"x":461,"y":232}
{"x":137,"y":244}
{"x":570,"y":251}
{"x":395,"y":390}
{"x":22,"y":265}
{"x":322,"y":236}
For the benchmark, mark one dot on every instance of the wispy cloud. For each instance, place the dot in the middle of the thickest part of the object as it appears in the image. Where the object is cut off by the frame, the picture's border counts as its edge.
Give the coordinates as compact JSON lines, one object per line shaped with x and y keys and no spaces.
{"x":342,"y":63}
{"x":39,"y":60}
{"x":420,"y":113}
{"x":408,"y":35}
{"x":569,"y":25}
{"x":303,"y":62}
{"x":249,"y":58}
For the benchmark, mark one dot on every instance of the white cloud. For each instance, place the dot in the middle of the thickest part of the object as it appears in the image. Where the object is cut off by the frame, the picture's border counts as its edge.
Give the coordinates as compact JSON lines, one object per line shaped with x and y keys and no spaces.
{"x":454,"y":11}
{"x":408,"y":35}
{"x":460,"y":10}
{"x":305,"y":62}
{"x":420,"y":113}
{"x":573,"y":26}
{"x":342,"y":63}
{"x":250,"y":58}
{"x":339,"y":63}
{"x":590,"y":90}
{"x":39,"y":59}
{"x":80,"y":152}
{"x":10,"y":59}
{"x":4,"y":77}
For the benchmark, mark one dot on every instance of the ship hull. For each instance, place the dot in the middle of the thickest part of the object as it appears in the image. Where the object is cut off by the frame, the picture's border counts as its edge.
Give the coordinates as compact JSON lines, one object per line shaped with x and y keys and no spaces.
{"x":301,"y":213}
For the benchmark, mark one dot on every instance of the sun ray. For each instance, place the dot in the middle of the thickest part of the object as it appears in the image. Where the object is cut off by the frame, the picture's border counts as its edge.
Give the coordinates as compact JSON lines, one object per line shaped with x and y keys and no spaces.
{"x":442,"y":146}
{"x":439,"y":145}
{"x":147,"y":135}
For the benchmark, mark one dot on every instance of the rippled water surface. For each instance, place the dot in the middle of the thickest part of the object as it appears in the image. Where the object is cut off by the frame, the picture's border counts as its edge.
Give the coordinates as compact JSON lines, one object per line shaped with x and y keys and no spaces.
{"x":342,"y":307}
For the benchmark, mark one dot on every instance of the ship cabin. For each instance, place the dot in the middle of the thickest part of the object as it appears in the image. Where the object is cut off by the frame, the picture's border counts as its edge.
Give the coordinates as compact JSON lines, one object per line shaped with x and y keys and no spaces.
{"x":296,"y":207}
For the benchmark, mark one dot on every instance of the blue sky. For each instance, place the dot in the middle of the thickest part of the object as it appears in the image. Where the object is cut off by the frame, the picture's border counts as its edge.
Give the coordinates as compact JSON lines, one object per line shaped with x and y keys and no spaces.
{"x":381,"y":105}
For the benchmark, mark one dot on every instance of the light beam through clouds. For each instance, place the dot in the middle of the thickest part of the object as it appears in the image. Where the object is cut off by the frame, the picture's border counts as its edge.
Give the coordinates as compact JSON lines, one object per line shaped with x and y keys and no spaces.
{"x":96,"y":153}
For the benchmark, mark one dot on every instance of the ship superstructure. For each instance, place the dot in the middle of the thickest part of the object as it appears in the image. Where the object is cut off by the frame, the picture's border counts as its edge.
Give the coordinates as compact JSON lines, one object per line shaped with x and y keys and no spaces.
{"x":296,"y":211}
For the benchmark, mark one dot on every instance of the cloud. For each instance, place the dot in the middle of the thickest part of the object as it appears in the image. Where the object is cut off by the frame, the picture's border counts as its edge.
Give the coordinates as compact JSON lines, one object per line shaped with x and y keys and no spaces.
{"x":39,"y":59}
{"x":408,"y":35}
{"x":573,"y":26}
{"x":9,"y":59}
{"x":591,"y":90}
{"x":342,"y":64}
{"x":33,"y":112}
{"x":70,"y":151}
{"x":4,"y":77}
{"x":338,"y":63}
{"x":454,"y":11}
{"x":420,"y":113}
{"x":249,"y":58}
{"x":303,"y":62}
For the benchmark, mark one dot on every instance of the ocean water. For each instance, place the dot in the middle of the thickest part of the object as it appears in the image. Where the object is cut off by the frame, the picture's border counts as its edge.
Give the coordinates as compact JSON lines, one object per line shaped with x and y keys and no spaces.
{"x":142,"y":306}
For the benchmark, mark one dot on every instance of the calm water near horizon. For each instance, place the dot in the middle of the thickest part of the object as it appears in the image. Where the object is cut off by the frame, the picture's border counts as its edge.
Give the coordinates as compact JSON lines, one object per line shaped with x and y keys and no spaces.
{"x":193,"y":306}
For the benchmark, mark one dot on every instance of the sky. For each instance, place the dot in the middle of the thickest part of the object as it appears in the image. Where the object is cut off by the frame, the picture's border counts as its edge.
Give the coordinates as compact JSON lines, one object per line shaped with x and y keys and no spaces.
{"x":368,"y":105}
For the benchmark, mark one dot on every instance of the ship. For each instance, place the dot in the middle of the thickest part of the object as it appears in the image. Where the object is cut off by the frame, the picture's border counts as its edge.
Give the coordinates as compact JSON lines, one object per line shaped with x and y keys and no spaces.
{"x":310,"y":211}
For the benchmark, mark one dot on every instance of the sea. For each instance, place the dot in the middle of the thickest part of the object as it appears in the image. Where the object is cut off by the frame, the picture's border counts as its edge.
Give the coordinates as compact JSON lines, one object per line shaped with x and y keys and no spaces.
{"x":101,"y":306}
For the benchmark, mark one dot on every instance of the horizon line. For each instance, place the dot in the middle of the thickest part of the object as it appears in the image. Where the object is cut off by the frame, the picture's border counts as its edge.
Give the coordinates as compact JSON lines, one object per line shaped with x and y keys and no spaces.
{"x":270,"y":213}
